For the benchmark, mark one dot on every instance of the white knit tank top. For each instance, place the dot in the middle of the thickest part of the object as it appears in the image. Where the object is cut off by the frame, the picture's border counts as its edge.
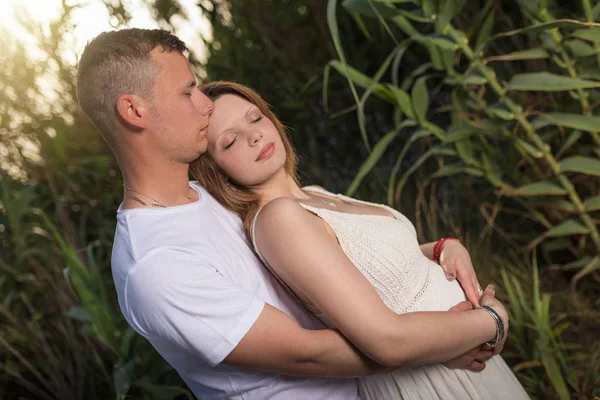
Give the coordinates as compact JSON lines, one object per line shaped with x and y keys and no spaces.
{"x":384,"y":249}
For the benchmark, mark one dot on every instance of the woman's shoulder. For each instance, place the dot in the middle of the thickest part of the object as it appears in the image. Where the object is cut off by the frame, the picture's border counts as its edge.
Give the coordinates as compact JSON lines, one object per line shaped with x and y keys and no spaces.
{"x":284,"y":215}
{"x":281,"y":209}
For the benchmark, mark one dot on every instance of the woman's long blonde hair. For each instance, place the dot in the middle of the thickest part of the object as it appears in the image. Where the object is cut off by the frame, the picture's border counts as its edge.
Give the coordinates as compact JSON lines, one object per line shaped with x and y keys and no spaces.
{"x":235,"y":197}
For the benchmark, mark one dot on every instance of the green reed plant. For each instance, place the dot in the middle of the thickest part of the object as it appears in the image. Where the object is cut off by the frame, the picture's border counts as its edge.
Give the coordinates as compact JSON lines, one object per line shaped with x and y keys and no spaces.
{"x":540,"y":157}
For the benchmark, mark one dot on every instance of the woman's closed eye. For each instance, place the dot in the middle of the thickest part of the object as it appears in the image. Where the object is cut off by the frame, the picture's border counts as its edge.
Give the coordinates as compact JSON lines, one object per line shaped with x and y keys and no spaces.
{"x":258,"y":119}
{"x":231,"y":142}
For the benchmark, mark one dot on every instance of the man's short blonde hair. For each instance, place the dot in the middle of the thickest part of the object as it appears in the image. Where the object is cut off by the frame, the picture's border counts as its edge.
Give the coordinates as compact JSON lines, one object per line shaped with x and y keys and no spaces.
{"x":116,"y":63}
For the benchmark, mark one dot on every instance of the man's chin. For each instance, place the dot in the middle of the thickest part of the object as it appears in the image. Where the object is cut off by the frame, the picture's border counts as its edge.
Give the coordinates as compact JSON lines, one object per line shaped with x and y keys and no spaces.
{"x":203,"y":147}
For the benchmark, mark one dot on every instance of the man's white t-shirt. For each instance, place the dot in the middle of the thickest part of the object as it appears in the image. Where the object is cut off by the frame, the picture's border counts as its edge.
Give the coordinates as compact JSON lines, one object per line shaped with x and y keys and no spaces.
{"x":188,"y":282}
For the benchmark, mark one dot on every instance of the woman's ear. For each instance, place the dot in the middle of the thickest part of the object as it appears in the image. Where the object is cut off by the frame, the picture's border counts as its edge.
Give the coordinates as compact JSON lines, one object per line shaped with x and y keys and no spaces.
{"x":133,"y":110}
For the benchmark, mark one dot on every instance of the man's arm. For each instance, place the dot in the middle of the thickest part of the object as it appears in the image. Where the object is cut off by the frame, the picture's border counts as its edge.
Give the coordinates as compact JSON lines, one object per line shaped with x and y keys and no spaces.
{"x":193,"y":306}
{"x":279,"y":344}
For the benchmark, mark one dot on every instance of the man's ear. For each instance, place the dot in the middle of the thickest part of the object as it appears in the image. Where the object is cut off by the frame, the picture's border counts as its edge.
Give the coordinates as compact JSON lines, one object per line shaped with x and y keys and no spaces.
{"x":133,"y":110}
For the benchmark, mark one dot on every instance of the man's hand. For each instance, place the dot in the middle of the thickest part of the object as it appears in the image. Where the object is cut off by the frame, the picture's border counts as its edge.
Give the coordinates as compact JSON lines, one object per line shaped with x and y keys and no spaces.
{"x":456,"y":263}
{"x":489,"y":299}
{"x":473,"y":360}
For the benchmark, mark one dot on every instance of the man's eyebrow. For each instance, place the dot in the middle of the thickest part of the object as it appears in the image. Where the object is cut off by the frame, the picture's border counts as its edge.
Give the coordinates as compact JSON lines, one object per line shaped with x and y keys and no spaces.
{"x":191,"y":84}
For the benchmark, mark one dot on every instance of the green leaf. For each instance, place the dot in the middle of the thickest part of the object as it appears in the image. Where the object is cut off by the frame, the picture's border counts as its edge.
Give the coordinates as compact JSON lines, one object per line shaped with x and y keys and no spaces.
{"x":370,"y":9}
{"x":449,"y":170}
{"x":126,"y":341}
{"x":466,"y":152}
{"x":403,"y":101}
{"x":458,"y":133}
{"x":486,"y":30}
{"x":559,"y":23}
{"x":581,"y":164}
{"x":430,"y":7}
{"x":122,"y":378}
{"x":79,"y":314}
{"x":420,"y":98}
{"x":437,"y":40}
{"x":500,"y":111}
{"x":591,"y":34}
{"x":404,"y":24}
{"x":529,"y":148}
{"x":431,"y":152}
{"x":474,"y":79}
{"x":416,"y":15}
{"x":571,"y":140}
{"x":553,"y":203}
{"x":363,"y":80}
{"x":448,"y":9}
{"x":448,"y":57}
{"x":592,"y":204}
{"x":579,"y":48}
{"x":590,"y":267}
{"x":590,"y":73}
{"x":373,"y":158}
{"x":547,"y":82}
{"x":529,"y":54}
{"x":435,"y":55}
{"x":361,"y":24}
{"x":543,"y":188}
{"x":574,"y":121}
{"x":567,"y":228}
{"x":596,"y":11}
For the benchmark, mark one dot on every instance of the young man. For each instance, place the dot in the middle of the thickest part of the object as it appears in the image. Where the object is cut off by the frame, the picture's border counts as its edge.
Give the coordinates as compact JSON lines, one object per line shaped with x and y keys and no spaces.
{"x":185,"y":276}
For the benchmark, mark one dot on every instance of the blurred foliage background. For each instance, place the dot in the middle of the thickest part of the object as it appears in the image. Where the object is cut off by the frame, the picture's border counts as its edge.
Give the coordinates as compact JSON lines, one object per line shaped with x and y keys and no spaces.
{"x":476,"y":119}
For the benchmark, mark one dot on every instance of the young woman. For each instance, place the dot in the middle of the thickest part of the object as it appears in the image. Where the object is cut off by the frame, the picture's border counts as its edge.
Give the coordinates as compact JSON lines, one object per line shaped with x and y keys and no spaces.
{"x":357,"y":266}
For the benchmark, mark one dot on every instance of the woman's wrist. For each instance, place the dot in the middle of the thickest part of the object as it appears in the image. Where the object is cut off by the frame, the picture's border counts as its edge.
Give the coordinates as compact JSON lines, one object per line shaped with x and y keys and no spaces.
{"x":439,"y":247}
{"x":500,"y":326}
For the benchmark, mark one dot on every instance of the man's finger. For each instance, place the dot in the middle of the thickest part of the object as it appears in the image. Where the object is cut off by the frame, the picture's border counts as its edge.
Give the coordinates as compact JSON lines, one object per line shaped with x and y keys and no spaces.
{"x":484,"y":355}
{"x":476,"y":366}
{"x":490,"y":290}
{"x":462,"y":306}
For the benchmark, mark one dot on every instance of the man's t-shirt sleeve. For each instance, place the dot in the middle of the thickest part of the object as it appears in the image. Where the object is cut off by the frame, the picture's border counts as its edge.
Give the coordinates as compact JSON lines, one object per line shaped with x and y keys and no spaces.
{"x":176,"y":297}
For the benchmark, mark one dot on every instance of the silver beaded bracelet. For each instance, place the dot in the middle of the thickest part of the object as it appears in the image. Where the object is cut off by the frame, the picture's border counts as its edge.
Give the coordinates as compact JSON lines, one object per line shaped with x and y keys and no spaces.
{"x":499,"y":326}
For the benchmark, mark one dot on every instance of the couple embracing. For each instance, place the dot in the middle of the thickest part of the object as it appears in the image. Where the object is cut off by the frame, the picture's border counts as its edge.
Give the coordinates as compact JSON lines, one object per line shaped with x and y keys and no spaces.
{"x":254,"y":287}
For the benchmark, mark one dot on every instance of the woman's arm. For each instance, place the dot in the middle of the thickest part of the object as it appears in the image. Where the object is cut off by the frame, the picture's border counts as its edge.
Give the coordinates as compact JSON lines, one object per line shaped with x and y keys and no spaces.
{"x":298,"y":247}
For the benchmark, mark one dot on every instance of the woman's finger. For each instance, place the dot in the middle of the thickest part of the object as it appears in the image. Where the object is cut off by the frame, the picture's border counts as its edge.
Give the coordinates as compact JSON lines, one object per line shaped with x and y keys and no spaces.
{"x":471,"y":293}
{"x":469,"y":286}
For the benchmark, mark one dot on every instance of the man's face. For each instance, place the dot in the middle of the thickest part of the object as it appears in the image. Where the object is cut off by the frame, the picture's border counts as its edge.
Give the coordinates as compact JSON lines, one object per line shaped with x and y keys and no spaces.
{"x":179,"y":120}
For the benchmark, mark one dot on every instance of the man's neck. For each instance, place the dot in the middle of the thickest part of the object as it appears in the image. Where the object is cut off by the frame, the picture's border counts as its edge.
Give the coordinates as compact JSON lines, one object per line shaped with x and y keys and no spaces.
{"x":160,"y":185}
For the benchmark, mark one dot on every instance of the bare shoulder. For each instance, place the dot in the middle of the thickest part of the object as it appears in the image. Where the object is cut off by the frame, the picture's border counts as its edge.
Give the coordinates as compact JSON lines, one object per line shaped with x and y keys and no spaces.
{"x":279,"y":215}
{"x":317,"y":187}
{"x":284,"y":215}
{"x":282,"y":210}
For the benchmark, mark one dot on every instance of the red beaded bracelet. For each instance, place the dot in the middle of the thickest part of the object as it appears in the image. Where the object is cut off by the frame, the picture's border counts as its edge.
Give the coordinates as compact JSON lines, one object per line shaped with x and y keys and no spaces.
{"x":437,"y":249}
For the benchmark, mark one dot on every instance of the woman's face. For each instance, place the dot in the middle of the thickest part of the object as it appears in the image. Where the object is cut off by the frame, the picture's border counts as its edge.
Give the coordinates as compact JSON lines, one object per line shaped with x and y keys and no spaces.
{"x":243,"y":142}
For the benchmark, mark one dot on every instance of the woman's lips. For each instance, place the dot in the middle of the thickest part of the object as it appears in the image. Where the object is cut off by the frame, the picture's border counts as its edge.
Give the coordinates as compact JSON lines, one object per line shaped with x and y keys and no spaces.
{"x":266,"y":152}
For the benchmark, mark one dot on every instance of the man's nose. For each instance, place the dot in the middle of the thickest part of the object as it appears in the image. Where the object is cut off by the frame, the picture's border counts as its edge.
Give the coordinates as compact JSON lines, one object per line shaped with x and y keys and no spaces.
{"x":208,"y":106}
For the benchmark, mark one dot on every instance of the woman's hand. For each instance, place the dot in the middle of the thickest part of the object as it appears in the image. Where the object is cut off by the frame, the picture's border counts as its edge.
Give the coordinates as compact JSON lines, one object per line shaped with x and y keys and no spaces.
{"x":456,"y":263}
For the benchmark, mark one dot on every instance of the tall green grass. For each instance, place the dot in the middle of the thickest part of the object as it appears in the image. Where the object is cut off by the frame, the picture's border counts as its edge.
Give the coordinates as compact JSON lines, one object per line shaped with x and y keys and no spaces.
{"x":540,"y":157}
{"x":502,"y":118}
